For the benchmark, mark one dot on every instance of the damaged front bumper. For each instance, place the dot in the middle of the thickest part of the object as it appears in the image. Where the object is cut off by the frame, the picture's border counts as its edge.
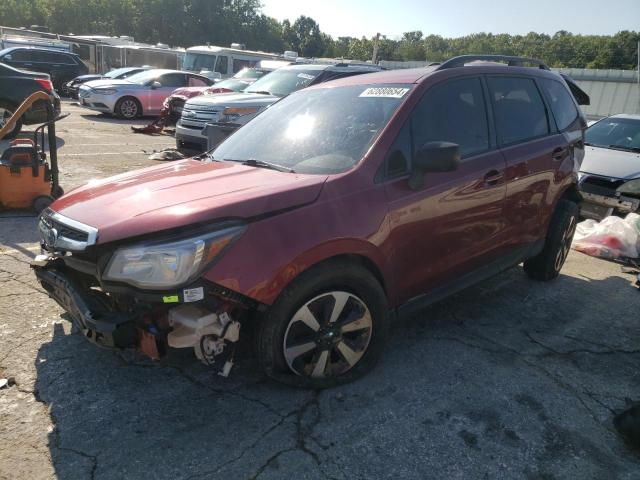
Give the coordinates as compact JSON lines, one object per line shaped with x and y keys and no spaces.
{"x":598,"y":206}
{"x":147,"y":327}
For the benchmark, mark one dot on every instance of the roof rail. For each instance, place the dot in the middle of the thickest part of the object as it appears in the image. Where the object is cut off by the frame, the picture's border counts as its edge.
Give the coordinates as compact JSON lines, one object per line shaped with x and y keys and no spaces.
{"x":511,"y":61}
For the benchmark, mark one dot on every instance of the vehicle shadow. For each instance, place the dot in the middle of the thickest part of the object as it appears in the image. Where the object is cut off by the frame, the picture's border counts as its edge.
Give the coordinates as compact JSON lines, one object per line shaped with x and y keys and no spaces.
{"x":118,"y":415}
{"x":107,"y":118}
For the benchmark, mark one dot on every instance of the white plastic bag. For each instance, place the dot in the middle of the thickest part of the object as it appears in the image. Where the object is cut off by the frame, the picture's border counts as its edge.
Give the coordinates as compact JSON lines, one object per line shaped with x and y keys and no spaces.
{"x":612,"y":237}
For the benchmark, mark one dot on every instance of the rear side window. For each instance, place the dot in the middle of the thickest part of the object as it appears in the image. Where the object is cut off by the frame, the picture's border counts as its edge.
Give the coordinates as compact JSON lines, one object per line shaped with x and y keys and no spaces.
{"x":519,"y":111}
{"x":60,"y":58}
{"x":453,"y":112}
{"x":21,"y":56}
{"x":172,"y":80}
{"x":562,"y":106}
{"x":197,"y":82}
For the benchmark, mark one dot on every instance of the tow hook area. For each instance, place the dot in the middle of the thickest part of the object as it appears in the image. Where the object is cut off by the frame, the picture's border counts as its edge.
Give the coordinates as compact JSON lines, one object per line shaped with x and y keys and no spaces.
{"x":213,"y":336}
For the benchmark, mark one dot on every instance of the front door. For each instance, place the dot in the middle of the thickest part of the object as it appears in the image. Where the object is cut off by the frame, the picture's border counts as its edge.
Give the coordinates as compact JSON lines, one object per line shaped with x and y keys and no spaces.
{"x":454,"y":224}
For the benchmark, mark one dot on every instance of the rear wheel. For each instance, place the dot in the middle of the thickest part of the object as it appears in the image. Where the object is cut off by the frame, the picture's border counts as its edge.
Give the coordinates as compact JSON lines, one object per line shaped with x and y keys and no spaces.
{"x":328,"y":328}
{"x":6,"y":111}
{"x":128,"y":108}
{"x":548,"y":263}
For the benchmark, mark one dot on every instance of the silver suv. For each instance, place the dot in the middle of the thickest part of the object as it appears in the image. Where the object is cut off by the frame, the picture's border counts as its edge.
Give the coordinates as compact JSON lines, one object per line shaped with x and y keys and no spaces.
{"x":207,"y":120}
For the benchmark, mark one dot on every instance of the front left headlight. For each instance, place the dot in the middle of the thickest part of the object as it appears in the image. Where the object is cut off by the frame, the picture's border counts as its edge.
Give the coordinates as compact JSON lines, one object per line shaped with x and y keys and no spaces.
{"x":171,"y":264}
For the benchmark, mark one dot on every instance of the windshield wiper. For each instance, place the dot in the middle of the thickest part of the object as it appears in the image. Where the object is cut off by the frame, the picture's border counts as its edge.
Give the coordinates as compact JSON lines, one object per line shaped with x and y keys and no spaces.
{"x":259,"y":92}
{"x":626,"y":149}
{"x":260,"y":164}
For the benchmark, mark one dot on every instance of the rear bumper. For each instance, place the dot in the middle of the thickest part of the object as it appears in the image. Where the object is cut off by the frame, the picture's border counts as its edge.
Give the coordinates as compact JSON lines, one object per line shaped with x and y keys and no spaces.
{"x":38,"y":112}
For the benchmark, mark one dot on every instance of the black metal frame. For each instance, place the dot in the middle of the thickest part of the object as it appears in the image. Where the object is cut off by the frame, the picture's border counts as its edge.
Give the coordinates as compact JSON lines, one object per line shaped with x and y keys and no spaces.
{"x":511,"y":61}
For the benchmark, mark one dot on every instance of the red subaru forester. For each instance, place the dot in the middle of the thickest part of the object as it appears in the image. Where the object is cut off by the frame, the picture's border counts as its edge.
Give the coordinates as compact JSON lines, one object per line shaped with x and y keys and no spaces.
{"x":337,"y":207}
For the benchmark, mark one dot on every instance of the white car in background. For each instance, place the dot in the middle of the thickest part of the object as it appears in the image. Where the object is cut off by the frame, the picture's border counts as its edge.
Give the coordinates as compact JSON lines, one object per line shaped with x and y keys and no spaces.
{"x":610,"y":171}
{"x":140,"y":94}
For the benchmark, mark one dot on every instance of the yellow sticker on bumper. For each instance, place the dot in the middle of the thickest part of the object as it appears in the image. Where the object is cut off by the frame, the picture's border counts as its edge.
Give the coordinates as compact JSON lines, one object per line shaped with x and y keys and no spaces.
{"x":171,"y":299}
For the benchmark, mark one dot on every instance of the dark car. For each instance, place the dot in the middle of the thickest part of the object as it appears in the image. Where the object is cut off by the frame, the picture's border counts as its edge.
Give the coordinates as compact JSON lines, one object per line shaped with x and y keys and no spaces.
{"x":60,"y":65}
{"x":70,"y":89}
{"x":337,"y":206}
{"x":610,"y":173}
{"x":15,"y":87}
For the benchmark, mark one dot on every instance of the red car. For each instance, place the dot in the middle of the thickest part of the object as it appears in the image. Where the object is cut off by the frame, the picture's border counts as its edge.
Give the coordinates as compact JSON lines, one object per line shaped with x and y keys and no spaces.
{"x":337,"y":207}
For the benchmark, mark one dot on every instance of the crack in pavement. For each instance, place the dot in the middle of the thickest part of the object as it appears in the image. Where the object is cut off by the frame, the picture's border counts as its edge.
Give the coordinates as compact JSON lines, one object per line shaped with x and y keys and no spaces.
{"x":553,"y":351}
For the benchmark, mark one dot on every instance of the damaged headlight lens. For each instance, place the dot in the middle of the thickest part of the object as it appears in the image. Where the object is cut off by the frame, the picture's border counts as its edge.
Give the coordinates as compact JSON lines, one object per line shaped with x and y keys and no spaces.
{"x":167,"y":265}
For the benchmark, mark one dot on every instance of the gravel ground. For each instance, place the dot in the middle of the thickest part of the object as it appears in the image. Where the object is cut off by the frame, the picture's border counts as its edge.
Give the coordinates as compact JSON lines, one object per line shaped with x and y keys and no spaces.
{"x":509,"y":379}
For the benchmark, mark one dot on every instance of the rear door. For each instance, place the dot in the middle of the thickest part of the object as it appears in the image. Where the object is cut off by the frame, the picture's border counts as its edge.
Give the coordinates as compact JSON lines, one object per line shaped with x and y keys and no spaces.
{"x":454,"y":224}
{"x":532,"y":149}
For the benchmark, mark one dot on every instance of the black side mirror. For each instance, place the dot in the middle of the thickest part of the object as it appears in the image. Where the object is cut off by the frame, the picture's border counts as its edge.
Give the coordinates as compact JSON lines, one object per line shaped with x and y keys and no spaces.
{"x":433,"y":157}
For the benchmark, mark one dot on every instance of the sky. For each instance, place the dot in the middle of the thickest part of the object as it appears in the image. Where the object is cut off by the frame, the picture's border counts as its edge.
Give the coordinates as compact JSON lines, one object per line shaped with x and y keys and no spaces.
{"x":455,"y":18}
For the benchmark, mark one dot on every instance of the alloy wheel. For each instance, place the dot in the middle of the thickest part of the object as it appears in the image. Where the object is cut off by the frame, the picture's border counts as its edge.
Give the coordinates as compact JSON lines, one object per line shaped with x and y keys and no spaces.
{"x":565,"y":243}
{"x":129,"y":108}
{"x":328,"y":335}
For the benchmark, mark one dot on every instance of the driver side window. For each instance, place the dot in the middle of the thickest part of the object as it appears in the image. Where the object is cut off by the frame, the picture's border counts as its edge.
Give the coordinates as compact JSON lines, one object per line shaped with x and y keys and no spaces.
{"x":452,"y":112}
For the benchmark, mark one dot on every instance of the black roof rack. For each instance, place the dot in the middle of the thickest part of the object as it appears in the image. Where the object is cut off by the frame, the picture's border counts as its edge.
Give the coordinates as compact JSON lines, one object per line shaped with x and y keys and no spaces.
{"x":511,"y":61}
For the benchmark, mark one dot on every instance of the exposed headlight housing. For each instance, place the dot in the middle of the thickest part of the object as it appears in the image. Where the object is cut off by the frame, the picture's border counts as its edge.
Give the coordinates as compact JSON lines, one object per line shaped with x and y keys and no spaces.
{"x":231,"y":114}
{"x":171,"y":264}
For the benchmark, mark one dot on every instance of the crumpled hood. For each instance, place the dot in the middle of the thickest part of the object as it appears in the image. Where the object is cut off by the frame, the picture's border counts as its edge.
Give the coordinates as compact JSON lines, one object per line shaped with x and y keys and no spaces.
{"x":181,"y":194}
{"x":109,"y":82}
{"x":234,"y":99}
{"x":611,"y":163}
{"x":190,"y":92}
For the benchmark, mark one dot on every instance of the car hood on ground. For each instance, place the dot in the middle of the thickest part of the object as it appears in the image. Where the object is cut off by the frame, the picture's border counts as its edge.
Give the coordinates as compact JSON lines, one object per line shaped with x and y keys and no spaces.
{"x":111,"y":83}
{"x":607,"y":162}
{"x":233,"y":99}
{"x":184,"y":193}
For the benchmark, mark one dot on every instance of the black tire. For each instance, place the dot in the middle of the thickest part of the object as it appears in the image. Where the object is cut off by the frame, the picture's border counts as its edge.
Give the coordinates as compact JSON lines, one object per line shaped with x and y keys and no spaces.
{"x":548,"y":263}
{"x":128,"y":108}
{"x":6,"y":110}
{"x":334,"y":277}
{"x":42,"y":202}
{"x":57,"y":192}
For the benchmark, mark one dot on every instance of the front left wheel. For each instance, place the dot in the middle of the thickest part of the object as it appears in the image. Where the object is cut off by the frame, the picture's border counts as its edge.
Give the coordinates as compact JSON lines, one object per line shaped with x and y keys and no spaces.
{"x":328,"y":328}
{"x":128,"y":108}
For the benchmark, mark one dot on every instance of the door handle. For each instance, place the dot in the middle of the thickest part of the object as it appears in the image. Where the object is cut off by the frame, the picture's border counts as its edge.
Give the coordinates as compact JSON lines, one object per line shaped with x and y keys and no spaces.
{"x":493,"y":177}
{"x":559,"y":153}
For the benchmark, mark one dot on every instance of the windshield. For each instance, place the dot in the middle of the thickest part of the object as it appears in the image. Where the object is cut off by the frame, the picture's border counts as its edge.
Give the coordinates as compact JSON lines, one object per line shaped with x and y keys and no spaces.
{"x":196,"y":62}
{"x":233,"y":84}
{"x":319,"y":131}
{"x":284,"y":82}
{"x":118,"y":73}
{"x":143,"y":77}
{"x":250,"y":73}
{"x":620,"y":133}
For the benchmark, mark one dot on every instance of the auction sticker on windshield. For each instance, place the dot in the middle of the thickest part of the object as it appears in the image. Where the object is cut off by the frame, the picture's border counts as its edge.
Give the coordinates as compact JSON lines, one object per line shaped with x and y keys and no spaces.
{"x":385,"y":92}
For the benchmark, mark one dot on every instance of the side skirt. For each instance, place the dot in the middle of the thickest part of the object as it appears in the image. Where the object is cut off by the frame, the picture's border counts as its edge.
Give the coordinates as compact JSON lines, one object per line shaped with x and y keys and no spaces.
{"x":483,"y":273}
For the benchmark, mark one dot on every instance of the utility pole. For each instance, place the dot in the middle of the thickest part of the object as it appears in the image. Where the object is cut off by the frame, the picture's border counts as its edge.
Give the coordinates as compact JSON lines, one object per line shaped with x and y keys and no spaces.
{"x":376,"y":44}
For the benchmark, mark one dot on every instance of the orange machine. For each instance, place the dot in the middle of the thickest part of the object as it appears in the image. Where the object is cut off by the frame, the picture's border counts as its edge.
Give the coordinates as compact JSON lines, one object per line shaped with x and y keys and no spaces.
{"x":26,"y":179}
